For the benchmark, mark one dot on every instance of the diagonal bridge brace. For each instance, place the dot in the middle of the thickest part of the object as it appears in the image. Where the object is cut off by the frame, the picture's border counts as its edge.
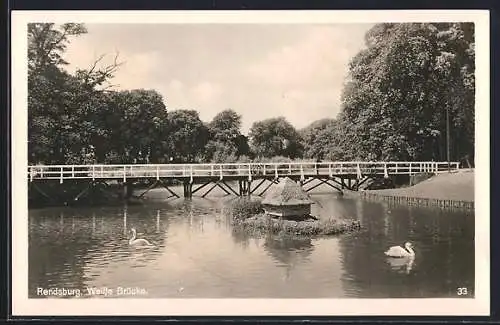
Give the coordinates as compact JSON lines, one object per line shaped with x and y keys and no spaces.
{"x":357,"y":183}
{"x":323,"y":181}
{"x":229,"y":187}
{"x":39,"y":190}
{"x":222,"y":187}
{"x":210,"y":190}
{"x":308,"y":181}
{"x":361,"y":182}
{"x":200,"y":187}
{"x":106,"y":185}
{"x":221,"y":184}
{"x":168,"y":189}
{"x":91,"y":186}
{"x":216,"y":184}
{"x":272,"y":181}
{"x":84,"y":191}
{"x":154,"y":185}
{"x":258,"y":185}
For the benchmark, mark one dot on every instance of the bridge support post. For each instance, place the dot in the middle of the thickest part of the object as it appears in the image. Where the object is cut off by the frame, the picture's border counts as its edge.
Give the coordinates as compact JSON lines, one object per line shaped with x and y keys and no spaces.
{"x":244,"y":187}
{"x":128,"y":189}
{"x":188,"y":189}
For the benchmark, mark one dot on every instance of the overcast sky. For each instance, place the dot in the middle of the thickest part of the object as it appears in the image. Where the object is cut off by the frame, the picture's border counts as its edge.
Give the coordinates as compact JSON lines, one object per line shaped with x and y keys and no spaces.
{"x":260,"y":71}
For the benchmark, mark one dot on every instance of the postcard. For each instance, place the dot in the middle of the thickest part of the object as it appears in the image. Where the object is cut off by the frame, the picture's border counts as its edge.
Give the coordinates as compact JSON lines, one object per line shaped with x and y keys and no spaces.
{"x":250,"y":163}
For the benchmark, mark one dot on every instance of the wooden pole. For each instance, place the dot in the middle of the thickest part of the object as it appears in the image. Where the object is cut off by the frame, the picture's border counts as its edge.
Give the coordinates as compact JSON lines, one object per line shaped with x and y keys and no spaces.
{"x":448,"y":136}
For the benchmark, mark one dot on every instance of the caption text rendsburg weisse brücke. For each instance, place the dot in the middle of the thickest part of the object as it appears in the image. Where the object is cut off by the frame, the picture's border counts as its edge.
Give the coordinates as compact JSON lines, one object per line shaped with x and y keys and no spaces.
{"x":91,"y":291}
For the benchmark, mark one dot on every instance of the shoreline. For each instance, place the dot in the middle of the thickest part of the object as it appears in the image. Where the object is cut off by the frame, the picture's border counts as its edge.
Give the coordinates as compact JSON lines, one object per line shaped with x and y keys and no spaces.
{"x":418,"y":201}
{"x":444,"y":190}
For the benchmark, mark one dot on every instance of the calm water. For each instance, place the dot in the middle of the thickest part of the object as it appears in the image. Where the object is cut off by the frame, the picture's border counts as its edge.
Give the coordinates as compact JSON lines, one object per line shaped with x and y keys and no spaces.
{"x":198,"y":255}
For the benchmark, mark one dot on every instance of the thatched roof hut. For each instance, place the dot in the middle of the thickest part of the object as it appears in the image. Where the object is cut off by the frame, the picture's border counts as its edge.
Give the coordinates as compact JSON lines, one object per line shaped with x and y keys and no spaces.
{"x":287,"y":198}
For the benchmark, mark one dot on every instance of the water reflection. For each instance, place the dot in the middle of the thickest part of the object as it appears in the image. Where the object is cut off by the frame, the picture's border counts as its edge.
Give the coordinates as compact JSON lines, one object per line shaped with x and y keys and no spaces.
{"x":241,"y":238}
{"x":385,"y":215}
{"x":359,"y":211}
{"x":288,"y":252}
{"x":157,"y":221}
{"x":125,"y":229}
{"x":403,"y":264}
{"x":197,"y":254}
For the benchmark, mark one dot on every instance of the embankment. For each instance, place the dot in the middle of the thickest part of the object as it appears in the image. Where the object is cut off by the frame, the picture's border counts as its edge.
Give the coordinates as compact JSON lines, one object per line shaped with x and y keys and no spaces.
{"x":454,"y":189}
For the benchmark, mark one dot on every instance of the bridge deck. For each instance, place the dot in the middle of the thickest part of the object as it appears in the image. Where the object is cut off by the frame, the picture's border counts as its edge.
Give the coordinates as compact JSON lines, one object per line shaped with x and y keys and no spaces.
{"x":235,"y":170}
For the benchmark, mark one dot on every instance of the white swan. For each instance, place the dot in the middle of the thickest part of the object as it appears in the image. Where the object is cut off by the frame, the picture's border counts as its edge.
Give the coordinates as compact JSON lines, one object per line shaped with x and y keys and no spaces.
{"x":398,"y":251}
{"x":138,"y":241}
{"x":404,"y":264}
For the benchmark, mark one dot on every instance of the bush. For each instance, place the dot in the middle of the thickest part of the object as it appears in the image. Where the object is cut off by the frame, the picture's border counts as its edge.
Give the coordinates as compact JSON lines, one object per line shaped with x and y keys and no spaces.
{"x":221,"y":157}
{"x":243,"y":159}
{"x":243,"y":208}
{"x":275,"y":159}
{"x":279,"y":159}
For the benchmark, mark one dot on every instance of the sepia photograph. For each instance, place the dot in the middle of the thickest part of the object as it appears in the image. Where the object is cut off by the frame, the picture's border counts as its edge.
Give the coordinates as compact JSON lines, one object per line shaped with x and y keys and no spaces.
{"x":286,"y":162}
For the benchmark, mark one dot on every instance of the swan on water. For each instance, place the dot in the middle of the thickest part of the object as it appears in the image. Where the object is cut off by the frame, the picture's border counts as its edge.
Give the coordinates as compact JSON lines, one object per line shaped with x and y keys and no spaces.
{"x":398,"y":251}
{"x":138,"y":241}
{"x":404,"y":265}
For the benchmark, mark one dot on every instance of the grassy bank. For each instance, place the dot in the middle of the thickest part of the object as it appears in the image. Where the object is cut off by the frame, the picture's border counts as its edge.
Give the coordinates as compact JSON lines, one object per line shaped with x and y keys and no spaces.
{"x":452,"y":187}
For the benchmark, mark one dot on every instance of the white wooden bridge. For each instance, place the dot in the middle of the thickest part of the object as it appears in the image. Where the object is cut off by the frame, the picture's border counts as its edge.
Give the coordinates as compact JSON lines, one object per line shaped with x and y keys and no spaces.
{"x":234,"y":170}
{"x":346,"y":174}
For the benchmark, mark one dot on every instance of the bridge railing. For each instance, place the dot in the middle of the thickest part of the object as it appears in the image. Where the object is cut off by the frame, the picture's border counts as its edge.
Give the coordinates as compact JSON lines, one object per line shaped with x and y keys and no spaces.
{"x":304,"y":169}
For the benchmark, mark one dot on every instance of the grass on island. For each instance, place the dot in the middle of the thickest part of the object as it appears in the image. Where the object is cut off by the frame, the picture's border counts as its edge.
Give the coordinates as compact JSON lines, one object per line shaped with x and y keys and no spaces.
{"x":242,"y":208}
{"x":248,"y":216}
{"x":264,"y":224}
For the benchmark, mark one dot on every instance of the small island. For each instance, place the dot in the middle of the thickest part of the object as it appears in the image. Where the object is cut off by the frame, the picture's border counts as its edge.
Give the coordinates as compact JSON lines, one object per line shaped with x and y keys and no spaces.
{"x":286,"y":210}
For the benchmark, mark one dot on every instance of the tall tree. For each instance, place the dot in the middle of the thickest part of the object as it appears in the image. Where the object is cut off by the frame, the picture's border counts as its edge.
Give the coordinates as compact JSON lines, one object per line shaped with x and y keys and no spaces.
{"x":47,"y":42}
{"x":187,"y":135}
{"x":317,"y":137}
{"x":226,"y":125}
{"x":61,"y":105}
{"x":130,"y":126}
{"x":50,"y":91}
{"x":275,"y":137}
{"x":226,"y":142}
{"x":400,"y":87}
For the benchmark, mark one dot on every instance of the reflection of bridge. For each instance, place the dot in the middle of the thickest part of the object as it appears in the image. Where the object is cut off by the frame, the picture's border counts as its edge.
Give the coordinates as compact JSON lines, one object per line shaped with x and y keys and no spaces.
{"x":338,"y":175}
